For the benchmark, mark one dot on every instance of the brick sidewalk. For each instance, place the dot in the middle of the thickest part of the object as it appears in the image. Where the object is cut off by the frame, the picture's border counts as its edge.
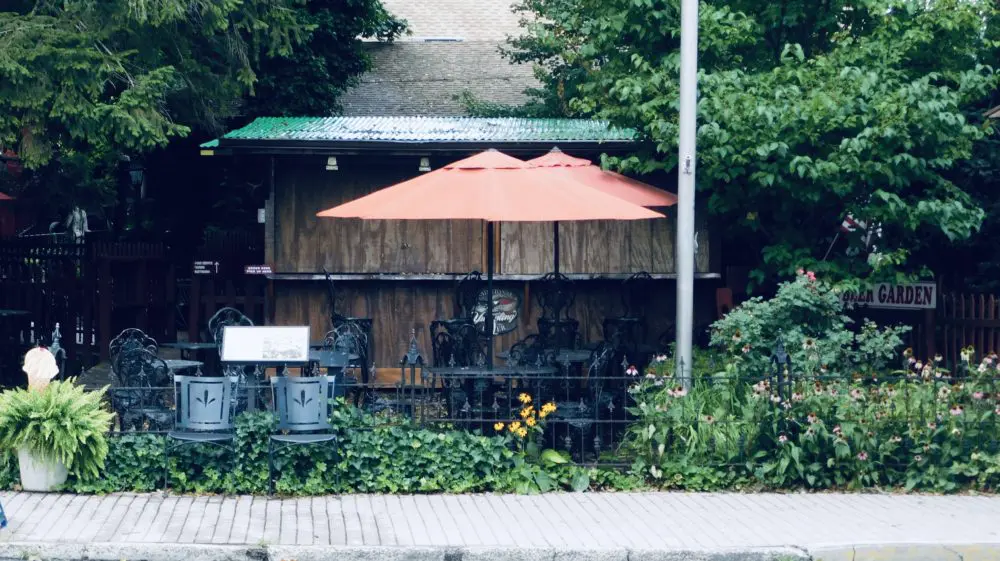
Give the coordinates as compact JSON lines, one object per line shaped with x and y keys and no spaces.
{"x":668,"y":522}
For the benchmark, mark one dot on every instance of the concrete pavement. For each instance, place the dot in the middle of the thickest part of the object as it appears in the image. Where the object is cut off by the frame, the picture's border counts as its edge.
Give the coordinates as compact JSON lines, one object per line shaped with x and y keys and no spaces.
{"x":598,"y":526}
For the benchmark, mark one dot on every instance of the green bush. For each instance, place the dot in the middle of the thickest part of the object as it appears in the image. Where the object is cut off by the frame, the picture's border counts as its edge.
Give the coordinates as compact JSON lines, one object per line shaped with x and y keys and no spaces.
{"x":61,"y":422}
{"x":807,"y":314}
{"x":371,"y":455}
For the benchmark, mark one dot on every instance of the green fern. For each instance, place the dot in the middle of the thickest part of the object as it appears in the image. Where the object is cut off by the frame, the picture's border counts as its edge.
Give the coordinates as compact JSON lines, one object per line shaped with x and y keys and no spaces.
{"x":61,"y":422}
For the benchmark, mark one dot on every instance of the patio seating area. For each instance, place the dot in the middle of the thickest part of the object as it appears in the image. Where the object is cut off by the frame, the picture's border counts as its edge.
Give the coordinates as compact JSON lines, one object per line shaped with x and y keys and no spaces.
{"x":449,"y":384}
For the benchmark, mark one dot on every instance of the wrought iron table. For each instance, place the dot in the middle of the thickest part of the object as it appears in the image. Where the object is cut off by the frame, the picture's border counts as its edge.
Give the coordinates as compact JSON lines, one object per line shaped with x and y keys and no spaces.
{"x":179,"y":365}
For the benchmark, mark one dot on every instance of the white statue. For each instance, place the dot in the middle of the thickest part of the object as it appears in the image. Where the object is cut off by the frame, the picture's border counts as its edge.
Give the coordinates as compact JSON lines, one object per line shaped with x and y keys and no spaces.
{"x":40,"y":366}
{"x":76,"y":224}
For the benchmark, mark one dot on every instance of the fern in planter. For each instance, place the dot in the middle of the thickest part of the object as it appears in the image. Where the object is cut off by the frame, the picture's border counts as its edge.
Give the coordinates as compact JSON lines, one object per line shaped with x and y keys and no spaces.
{"x":60,"y":422}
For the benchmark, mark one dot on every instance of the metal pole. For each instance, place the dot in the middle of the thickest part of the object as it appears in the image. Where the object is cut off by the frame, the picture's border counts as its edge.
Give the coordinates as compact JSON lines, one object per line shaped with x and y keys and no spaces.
{"x":555,"y":237}
{"x":489,"y":295}
{"x":685,"y":188}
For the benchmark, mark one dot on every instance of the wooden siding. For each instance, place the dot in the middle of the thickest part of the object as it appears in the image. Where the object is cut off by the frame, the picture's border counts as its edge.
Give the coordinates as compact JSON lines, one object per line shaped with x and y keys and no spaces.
{"x":397,"y":307}
{"x":304,"y":243}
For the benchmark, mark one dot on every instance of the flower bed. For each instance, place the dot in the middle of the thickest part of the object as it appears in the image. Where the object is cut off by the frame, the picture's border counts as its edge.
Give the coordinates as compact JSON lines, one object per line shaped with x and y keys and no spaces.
{"x":833,"y":415}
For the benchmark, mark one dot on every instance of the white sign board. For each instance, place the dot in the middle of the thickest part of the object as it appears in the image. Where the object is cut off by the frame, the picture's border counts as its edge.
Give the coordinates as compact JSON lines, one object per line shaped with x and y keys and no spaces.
{"x":918,"y":296}
{"x":246,"y":344}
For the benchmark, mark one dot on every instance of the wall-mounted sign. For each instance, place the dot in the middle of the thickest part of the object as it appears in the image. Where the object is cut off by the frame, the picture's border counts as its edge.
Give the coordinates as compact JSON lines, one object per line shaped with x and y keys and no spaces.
{"x":917,"y":296}
{"x":506,"y":307}
{"x":257,"y":270}
{"x":206,"y":268}
{"x":252,"y":344}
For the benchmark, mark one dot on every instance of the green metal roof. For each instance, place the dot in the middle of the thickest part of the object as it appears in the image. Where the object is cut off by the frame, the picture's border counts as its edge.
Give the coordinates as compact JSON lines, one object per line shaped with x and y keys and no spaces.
{"x":422,"y":130}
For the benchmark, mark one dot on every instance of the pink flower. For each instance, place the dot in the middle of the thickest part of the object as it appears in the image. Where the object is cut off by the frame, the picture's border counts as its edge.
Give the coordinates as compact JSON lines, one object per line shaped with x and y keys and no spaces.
{"x":709,"y":419}
{"x":800,"y":271}
{"x":932,"y":425}
{"x":956,"y":410}
{"x":796,"y":396}
{"x":811,"y":276}
{"x":746,"y":348}
{"x":863,"y":456}
{"x":812,"y":418}
{"x":775,"y":399}
{"x":679,"y":391}
{"x":836,"y":429}
{"x":782,"y":439}
{"x":977,"y":395}
{"x":632,"y":371}
{"x":918,"y":458}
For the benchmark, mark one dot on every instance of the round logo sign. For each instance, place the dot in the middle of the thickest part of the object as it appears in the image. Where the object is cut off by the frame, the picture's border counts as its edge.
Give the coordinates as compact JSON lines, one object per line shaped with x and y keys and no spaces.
{"x":506,"y":307}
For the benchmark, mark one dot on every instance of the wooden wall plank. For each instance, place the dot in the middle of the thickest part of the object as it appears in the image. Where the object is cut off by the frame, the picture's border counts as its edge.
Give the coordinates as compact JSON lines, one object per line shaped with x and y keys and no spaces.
{"x":398,"y":307}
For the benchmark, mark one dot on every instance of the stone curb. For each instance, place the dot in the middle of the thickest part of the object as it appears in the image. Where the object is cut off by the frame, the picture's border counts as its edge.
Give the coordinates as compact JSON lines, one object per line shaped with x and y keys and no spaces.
{"x":19,"y":551}
{"x":48,"y":551}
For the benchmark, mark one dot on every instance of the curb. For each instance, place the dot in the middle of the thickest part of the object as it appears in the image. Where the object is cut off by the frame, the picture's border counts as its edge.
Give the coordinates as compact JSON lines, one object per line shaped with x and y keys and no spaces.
{"x":48,"y":551}
{"x":24,"y":551}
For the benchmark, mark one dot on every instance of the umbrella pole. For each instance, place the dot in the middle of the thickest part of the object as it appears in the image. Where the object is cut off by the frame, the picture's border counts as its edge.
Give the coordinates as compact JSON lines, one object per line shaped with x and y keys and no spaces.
{"x":555,"y":237}
{"x":489,"y":295}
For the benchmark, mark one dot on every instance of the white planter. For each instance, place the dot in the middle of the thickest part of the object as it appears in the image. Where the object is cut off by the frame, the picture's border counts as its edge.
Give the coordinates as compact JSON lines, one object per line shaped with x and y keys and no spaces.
{"x":38,"y":474}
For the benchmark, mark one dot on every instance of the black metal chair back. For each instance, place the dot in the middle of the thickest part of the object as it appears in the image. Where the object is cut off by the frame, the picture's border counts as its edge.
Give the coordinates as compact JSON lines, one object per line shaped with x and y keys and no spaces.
{"x":458,"y":344}
{"x":555,"y":295}
{"x":204,"y":404}
{"x":224,"y":318}
{"x":131,"y":338}
{"x":303,"y":404}
{"x":636,"y":292}
{"x":467,"y":291}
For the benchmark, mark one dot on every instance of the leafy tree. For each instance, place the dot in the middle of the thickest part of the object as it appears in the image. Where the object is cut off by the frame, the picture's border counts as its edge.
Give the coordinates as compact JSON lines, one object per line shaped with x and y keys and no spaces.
{"x":809,"y":111}
{"x":128,"y":75}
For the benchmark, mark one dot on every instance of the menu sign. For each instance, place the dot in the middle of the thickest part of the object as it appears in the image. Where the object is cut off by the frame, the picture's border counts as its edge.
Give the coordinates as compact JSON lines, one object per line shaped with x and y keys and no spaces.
{"x":916,"y":296}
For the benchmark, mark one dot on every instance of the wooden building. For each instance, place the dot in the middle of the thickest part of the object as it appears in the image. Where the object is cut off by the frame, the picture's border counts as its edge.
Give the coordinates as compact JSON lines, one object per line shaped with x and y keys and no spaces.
{"x":402,"y":274}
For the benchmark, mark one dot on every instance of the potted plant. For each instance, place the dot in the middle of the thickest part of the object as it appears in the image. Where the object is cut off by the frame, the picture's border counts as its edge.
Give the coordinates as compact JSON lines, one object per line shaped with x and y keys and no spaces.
{"x":56,"y":430}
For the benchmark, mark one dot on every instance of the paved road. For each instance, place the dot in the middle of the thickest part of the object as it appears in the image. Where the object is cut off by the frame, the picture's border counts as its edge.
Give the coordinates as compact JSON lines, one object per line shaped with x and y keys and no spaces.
{"x":782,"y":526}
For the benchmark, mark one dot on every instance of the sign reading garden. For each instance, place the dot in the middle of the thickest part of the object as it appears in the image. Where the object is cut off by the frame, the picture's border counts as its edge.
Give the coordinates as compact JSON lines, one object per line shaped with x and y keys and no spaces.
{"x":916,"y":296}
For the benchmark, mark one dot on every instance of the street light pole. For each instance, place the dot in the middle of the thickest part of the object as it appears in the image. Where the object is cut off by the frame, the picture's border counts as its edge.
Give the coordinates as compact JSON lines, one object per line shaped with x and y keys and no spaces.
{"x":685,"y":188}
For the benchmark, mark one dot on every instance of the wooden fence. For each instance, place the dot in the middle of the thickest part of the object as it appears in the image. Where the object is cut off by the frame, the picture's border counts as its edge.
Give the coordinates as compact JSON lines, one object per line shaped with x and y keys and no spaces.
{"x":968,"y":320}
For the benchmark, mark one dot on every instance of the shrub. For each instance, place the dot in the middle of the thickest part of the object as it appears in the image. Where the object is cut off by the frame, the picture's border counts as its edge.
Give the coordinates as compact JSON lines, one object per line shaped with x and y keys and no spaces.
{"x":372,"y":455}
{"x":807,"y":314}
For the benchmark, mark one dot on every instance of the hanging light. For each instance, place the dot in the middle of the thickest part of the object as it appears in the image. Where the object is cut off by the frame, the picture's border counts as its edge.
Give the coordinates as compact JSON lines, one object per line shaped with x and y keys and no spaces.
{"x":331,"y":164}
{"x":425,"y":164}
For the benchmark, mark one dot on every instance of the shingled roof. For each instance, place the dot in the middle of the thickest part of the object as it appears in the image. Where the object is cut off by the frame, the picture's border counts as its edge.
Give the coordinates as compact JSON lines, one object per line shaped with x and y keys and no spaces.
{"x":453,"y":47}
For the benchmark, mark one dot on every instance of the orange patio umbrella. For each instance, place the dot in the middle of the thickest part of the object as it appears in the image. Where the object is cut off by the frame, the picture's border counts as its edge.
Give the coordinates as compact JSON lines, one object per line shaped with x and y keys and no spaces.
{"x":5,"y":197}
{"x":494,"y":187}
{"x":608,"y":182}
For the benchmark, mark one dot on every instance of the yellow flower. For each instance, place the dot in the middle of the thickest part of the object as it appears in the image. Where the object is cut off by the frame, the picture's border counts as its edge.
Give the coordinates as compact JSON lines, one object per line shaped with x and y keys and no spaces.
{"x":527,"y":412}
{"x":515,"y":426}
{"x":524,"y":398}
{"x":498,"y":426}
{"x":547,"y":409}
{"x":522,"y":432}
{"x":530,"y":421}
{"x":543,"y":413}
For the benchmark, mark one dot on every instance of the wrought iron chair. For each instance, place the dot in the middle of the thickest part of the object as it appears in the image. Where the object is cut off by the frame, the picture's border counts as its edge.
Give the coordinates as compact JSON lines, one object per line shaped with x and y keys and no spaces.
{"x":628,"y":331}
{"x":130,"y":338}
{"x":351,"y":339}
{"x":204,"y":415}
{"x":456,"y":344}
{"x":361,"y":325}
{"x":224,"y":318}
{"x":247,"y":374}
{"x":303,"y":406}
{"x":137,"y":393}
{"x":555,"y":296}
{"x":582,"y":406}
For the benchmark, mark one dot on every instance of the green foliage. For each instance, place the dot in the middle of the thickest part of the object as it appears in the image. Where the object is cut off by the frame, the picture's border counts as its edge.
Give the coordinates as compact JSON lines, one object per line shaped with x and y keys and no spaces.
{"x":128,"y":75}
{"x":807,"y":113}
{"x":807,"y":314}
{"x":62,"y":422}
{"x":371,"y":455}
{"x":919,"y":427}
